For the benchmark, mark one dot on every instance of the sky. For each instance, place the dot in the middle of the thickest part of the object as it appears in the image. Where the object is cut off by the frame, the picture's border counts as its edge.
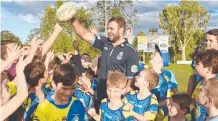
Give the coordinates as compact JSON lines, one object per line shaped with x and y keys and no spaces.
{"x":20,"y":17}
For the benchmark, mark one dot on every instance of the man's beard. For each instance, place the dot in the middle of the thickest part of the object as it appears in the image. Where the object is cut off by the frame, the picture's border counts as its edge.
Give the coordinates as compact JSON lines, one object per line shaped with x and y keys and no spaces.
{"x":115,"y":38}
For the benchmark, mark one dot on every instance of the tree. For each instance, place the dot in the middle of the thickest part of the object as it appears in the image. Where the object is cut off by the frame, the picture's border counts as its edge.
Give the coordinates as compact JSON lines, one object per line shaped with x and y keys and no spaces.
{"x":7,"y":35}
{"x":34,"y":32}
{"x":64,"y":41}
{"x":105,"y":9}
{"x":182,"y":21}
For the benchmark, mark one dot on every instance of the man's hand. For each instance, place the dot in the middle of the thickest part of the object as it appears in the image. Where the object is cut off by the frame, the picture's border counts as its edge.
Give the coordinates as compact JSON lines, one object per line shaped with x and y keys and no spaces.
{"x":93,"y":30}
{"x":58,"y":28}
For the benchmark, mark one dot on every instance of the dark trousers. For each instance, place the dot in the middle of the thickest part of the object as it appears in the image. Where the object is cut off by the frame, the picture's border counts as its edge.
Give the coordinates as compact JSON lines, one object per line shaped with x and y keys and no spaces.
{"x":101,"y":93}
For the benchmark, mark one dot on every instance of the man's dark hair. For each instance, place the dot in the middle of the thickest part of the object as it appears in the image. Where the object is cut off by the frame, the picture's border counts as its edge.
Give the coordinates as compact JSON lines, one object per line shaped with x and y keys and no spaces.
{"x":120,"y":21}
{"x":65,"y":74}
{"x":34,"y":72}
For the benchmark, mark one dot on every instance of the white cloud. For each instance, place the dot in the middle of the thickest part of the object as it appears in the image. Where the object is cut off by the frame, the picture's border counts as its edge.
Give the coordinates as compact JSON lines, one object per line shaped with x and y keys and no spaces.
{"x":210,"y":4}
{"x":26,"y":3}
{"x":149,"y":19}
{"x":149,"y":6}
{"x":28,"y":18}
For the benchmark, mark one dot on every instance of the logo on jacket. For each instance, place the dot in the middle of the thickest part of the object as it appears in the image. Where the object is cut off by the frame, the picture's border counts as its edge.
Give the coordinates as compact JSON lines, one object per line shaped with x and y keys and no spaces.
{"x":120,"y":56}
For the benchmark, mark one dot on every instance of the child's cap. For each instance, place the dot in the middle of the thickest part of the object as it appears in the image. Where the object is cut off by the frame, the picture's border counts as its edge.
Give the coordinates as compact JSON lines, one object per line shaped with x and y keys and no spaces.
{"x":164,"y":54}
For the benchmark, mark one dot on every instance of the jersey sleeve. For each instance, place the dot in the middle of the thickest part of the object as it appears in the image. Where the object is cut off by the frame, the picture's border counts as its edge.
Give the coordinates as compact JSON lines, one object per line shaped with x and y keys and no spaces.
{"x":152,"y":109}
{"x":132,"y":63}
{"x":99,"y":41}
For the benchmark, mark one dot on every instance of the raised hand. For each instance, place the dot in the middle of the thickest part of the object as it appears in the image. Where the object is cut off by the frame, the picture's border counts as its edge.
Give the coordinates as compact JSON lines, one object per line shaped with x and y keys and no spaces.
{"x":21,"y":64}
{"x":26,"y":50}
{"x":57,"y":27}
{"x":50,"y":55}
{"x":61,"y":57}
{"x":93,"y":30}
{"x":14,"y":54}
{"x":68,"y":56}
{"x":35,"y":43}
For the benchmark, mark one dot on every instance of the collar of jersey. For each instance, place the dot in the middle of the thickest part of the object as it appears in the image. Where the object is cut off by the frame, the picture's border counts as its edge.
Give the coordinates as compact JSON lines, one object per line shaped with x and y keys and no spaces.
{"x":122,"y":44}
{"x":59,"y":105}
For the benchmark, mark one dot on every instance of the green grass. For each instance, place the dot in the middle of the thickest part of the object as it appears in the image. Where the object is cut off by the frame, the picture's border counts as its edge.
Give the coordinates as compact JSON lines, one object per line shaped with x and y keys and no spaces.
{"x":182,"y":74}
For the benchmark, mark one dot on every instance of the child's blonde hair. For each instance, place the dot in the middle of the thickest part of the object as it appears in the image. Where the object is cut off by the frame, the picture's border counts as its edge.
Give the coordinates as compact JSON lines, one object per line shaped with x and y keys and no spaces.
{"x":152,"y":77}
{"x":116,"y":79}
{"x":211,"y":90}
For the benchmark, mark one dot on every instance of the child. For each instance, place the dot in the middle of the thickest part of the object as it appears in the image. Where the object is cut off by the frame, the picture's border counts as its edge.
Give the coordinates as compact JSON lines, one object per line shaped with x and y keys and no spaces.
{"x":167,"y":81}
{"x":11,"y":105}
{"x":34,"y":73}
{"x":95,"y":67}
{"x":211,"y":42}
{"x":84,"y":92}
{"x":61,"y":105}
{"x":208,"y":98}
{"x":144,"y":103}
{"x":179,"y":106}
{"x":111,"y":108}
{"x":206,"y":67}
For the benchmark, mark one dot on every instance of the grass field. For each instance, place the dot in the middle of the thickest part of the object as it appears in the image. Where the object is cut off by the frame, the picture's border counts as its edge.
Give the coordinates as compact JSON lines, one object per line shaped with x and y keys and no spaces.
{"x":182,"y":74}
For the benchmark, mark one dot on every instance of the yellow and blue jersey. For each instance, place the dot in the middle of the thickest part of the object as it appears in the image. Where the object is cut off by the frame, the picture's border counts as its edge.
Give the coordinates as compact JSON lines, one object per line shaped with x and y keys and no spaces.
{"x":199,"y":113}
{"x":31,"y":102}
{"x":47,"y":110}
{"x":167,"y":82}
{"x":147,"y":107}
{"x":86,"y":98}
{"x":107,"y":114}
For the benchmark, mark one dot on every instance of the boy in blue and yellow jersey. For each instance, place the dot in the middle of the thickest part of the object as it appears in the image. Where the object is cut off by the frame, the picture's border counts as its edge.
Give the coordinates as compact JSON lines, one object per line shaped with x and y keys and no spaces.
{"x":142,"y":104}
{"x":208,"y":98}
{"x":206,"y":67}
{"x":111,"y":108}
{"x":34,"y":73}
{"x":61,"y":106}
{"x":211,"y":42}
{"x":167,"y":81}
{"x":84,"y":92}
{"x":179,"y":106}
